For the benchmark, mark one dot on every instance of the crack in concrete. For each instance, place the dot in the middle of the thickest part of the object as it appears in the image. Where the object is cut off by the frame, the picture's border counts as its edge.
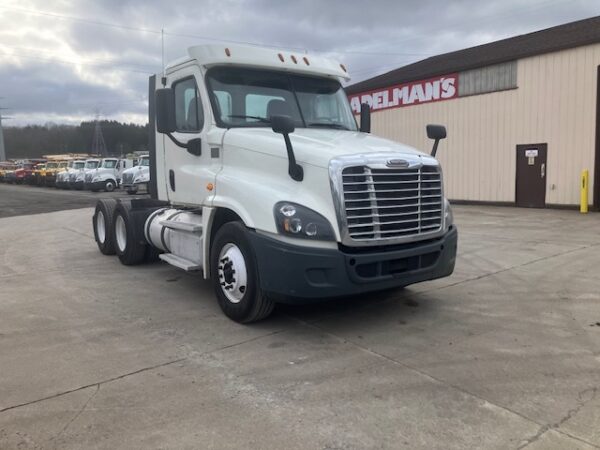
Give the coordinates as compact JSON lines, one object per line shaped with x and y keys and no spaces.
{"x":458,"y":388}
{"x":135,"y":372}
{"x":70,"y":391}
{"x":581,"y":402}
{"x":74,"y":418}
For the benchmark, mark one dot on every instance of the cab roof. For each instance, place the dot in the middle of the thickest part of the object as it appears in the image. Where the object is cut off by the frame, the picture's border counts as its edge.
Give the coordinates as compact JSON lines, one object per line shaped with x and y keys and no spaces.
{"x":262,"y":57}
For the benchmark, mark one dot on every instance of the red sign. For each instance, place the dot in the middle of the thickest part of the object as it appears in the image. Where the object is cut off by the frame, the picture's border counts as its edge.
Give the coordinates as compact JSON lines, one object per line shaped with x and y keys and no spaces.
{"x":415,"y":93}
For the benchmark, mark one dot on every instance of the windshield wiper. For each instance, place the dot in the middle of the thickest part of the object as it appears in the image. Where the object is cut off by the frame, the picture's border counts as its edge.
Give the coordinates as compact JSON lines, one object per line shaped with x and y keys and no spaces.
{"x":241,"y":116}
{"x":327,"y":125}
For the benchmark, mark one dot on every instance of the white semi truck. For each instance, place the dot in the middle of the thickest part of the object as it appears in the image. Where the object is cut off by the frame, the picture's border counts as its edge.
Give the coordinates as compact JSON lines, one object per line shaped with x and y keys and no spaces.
{"x":107,"y":176}
{"x":261,"y":180}
{"x":138,"y":176}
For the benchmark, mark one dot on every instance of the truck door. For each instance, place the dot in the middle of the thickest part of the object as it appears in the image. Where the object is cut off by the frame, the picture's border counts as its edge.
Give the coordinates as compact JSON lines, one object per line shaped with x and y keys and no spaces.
{"x":188,"y":175}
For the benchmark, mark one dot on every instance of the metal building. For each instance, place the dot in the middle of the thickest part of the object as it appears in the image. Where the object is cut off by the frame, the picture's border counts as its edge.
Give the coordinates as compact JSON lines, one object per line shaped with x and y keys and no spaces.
{"x":522,"y":114}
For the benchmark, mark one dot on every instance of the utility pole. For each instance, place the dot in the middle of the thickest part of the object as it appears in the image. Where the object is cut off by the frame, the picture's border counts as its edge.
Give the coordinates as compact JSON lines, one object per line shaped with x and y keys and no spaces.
{"x":98,"y":145}
{"x":2,"y":149}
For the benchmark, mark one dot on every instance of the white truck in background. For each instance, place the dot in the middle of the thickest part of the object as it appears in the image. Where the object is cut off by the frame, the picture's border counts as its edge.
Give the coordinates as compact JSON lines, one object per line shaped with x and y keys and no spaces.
{"x":77,"y":177}
{"x":63,"y":178}
{"x":107,"y":176}
{"x":137,"y":176}
{"x":261,"y":180}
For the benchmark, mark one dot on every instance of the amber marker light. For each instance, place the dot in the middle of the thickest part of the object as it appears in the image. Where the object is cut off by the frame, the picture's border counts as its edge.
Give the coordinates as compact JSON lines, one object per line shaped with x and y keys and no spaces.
{"x":227,"y":52}
{"x":306,"y":61}
{"x":280,"y":56}
{"x":294,"y":59}
{"x":210,"y":187}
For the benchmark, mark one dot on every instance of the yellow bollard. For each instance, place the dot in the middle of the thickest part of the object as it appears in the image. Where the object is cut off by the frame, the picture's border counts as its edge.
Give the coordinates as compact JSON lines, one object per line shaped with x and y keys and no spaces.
{"x":585,"y":175}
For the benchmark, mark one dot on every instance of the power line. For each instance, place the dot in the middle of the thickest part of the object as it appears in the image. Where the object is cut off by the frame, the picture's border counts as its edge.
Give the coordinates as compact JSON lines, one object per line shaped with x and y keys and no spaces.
{"x":80,"y":19}
{"x":83,"y":61}
{"x":62,"y":61}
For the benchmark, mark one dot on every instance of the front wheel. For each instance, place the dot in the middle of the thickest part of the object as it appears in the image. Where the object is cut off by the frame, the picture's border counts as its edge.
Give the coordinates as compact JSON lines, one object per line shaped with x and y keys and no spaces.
{"x":235,"y":276}
{"x":110,"y":185}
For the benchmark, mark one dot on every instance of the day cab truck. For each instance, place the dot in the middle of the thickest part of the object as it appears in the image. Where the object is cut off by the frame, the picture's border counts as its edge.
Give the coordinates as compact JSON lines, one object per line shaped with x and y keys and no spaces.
{"x":261,"y":180}
{"x":136,"y":177}
{"x":107,"y":176}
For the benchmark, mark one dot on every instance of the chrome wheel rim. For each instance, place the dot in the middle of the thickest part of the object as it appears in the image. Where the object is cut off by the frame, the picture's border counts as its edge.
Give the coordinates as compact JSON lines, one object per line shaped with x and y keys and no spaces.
{"x":121,"y":233}
{"x":233,"y":274}
{"x":100,"y":227}
{"x":110,"y":186}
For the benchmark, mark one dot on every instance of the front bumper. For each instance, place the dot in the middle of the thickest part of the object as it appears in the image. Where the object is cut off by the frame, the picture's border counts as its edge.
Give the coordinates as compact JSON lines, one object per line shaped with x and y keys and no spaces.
{"x":94,"y":185}
{"x":78,"y":185}
{"x":295,"y":273}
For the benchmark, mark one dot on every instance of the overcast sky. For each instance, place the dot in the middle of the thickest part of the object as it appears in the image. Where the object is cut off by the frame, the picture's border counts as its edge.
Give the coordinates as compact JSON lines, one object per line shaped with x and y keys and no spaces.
{"x":64,"y":61}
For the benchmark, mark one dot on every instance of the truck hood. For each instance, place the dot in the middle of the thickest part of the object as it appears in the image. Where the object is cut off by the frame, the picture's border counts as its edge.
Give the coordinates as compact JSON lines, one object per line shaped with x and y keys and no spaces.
{"x":314,"y":146}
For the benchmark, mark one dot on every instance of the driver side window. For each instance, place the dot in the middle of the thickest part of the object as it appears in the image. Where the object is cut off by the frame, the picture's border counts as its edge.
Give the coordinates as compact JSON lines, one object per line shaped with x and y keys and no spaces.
{"x":189,"y":115}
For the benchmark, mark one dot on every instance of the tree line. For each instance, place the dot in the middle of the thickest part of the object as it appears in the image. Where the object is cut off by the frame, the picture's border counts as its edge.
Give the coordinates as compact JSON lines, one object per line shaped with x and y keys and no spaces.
{"x":33,"y":141}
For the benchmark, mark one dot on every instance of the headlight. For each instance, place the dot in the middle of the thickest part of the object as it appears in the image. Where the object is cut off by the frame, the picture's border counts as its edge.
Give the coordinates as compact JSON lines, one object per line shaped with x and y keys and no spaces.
{"x":448,"y":213}
{"x":300,"y":222}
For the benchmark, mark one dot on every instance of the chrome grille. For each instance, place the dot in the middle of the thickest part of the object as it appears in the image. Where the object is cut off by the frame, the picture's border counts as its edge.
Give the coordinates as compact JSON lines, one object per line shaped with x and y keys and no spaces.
{"x":127,"y":178}
{"x":392,"y":203}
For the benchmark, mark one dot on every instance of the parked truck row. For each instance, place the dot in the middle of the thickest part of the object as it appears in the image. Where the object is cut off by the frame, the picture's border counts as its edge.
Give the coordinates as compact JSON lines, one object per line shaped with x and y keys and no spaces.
{"x":80,"y":172}
{"x":261,"y":180}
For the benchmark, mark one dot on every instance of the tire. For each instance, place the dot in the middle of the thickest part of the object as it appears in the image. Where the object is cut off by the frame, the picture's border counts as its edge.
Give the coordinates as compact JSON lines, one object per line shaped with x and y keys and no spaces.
{"x":110,"y":185}
{"x":231,"y":258}
{"x":102,"y":223}
{"x":129,"y":249}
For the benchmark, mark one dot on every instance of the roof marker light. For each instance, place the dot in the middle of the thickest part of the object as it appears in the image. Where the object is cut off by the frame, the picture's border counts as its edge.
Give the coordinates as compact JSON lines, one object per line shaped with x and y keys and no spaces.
{"x":280,"y":56}
{"x":343,"y":68}
{"x":306,"y":61}
{"x":294,"y":59}
{"x":227,"y":52}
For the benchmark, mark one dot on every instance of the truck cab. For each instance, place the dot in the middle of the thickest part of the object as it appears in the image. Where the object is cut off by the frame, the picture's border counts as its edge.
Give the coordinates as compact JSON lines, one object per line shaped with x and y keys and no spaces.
{"x":137,"y":176}
{"x":107,"y":176}
{"x":77,"y":177}
{"x":262,"y":180}
{"x":63,"y":178}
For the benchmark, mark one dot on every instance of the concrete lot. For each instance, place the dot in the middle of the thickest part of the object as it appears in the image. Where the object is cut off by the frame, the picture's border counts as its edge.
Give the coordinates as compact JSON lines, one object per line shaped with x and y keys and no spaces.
{"x":504,"y":354}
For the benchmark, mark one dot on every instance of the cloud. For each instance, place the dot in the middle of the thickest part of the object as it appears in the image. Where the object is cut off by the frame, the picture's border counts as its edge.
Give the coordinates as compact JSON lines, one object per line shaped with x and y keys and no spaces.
{"x":55,"y":68}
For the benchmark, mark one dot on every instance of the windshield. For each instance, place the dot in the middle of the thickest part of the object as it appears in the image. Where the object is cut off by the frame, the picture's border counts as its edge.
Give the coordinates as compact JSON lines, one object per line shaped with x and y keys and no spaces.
{"x":109,"y":163}
{"x":78,"y":164}
{"x":249,"y":97}
{"x":91,"y":164}
{"x":145,"y":162}
{"x":51,"y":165}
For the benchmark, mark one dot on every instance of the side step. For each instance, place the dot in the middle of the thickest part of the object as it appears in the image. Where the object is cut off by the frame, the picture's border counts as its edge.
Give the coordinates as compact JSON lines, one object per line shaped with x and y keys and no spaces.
{"x":177,"y":261}
{"x":182,"y":226}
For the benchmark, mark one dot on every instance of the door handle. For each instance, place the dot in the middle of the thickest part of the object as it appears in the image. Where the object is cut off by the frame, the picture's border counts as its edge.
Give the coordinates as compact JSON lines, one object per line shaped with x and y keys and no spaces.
{"x":543,"y":170}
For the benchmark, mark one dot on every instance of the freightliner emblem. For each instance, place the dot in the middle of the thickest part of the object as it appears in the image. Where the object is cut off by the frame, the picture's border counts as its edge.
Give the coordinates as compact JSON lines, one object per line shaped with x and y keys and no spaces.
{"x":397,"y":163}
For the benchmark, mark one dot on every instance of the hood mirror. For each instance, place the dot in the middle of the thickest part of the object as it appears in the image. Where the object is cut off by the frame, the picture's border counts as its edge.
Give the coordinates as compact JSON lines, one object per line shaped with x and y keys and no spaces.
{"x":437,"y":133}
{"x":365,"y":118}
{"x":285,"y":125}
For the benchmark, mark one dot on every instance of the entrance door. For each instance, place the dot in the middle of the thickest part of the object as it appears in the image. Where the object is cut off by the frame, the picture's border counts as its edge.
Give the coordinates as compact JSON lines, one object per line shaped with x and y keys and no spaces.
{"x":531,"y":175}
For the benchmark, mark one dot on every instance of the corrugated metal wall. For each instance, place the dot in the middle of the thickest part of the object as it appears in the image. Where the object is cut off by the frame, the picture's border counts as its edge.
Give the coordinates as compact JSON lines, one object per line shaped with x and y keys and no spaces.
{"x":488,"y":79}
{"x":555,"y":103}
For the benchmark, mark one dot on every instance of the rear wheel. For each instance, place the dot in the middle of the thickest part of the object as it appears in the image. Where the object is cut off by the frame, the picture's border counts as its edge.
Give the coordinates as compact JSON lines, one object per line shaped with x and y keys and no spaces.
{"x":235,"y":277}
{"x":102,"y":223}
{"x":129,"y":250}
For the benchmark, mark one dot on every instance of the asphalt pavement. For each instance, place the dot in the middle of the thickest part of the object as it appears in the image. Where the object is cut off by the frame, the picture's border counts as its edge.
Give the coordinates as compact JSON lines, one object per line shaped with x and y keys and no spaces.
{"x":18,"y":200}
